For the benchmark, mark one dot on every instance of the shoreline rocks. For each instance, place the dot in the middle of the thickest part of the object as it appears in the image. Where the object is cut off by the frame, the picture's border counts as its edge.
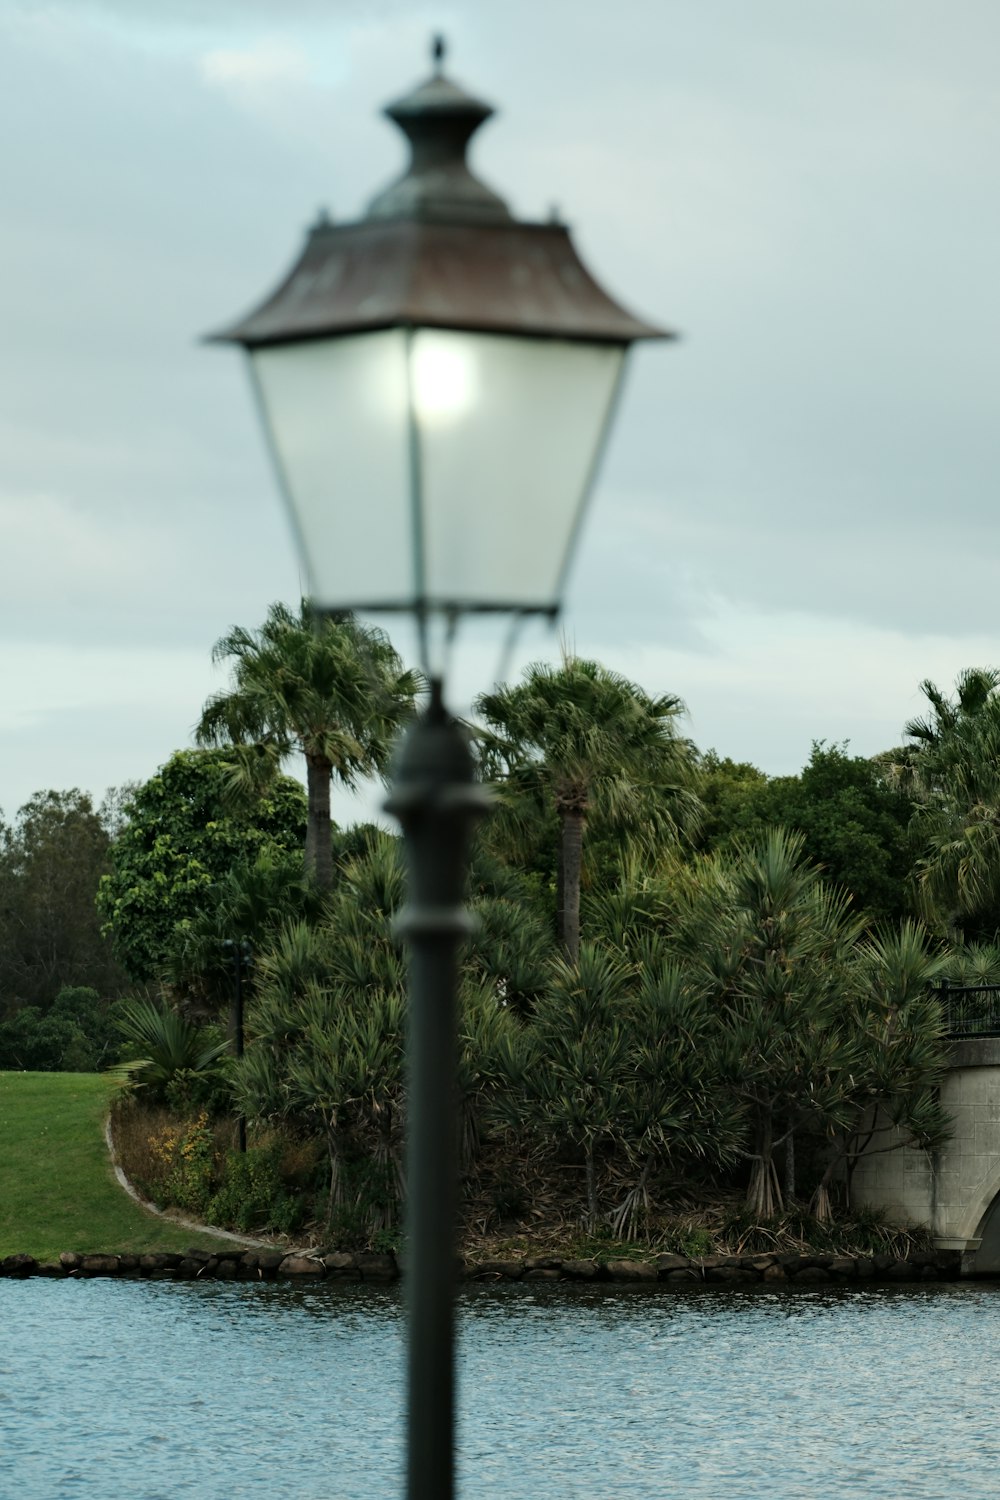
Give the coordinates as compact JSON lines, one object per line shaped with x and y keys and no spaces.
{"x":665,"y":1270}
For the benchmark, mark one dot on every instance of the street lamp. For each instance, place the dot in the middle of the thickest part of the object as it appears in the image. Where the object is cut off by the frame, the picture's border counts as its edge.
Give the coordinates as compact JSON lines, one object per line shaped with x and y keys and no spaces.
{"x":436,"y":382}
{"x":239,"y":953}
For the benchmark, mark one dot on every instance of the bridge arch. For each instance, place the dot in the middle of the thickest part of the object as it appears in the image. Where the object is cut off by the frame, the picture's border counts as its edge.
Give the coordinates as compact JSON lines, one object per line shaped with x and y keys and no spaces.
{"x":981,"y":1229}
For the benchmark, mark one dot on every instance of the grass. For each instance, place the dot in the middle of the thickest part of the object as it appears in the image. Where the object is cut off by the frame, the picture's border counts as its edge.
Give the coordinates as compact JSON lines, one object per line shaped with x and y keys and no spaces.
{"x":58,"y":1190}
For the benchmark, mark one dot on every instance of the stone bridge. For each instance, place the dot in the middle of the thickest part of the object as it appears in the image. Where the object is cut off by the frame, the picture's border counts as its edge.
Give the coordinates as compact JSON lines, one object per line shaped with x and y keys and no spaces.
{"x":956,"y":1191}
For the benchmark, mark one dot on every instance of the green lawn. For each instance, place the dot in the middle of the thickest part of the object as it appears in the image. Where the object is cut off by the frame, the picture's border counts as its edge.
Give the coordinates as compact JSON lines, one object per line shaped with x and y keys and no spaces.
{"x":58,"y":1190}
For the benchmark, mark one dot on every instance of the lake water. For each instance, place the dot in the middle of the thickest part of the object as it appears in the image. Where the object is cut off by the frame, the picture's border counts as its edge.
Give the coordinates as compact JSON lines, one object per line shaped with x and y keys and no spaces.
{"x":162,"y":1390}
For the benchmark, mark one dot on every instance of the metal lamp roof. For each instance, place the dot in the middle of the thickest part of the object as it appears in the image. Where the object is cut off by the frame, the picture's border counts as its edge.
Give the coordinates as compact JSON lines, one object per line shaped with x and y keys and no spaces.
{"x":439,"y":249}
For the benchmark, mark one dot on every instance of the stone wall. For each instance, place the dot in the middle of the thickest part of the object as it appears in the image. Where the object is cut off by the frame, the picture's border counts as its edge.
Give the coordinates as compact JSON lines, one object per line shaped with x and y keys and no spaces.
{"x":675,"y":1271}
{"x":952,"y":1191}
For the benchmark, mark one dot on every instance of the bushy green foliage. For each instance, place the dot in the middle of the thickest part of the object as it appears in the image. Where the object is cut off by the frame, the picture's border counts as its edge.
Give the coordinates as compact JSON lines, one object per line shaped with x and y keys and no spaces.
{"x":721,"y":1009}
{"x":241,"y":915}
{"x":251,"y":1193}
{"x":185,"y":834}
{"x":853,"y":819}
{"x":77,"y":1034}
{"x":818,"y":1031}
{"x":972,"y":964}
{"x":754,"y":1015}
{"x":230,"y":1190}
{"x":32,"y":1041}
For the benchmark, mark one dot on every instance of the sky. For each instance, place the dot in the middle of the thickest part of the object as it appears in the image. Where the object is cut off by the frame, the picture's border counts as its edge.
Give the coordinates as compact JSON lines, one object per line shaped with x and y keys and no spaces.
{"x":796,"y":519}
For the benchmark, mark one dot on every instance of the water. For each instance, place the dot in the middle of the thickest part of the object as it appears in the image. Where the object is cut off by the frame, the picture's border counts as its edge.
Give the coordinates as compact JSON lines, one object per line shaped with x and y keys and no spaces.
{"x":160,"y":1391}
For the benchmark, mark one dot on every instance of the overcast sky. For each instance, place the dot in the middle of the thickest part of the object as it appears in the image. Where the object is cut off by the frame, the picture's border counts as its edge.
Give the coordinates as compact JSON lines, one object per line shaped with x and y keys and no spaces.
{"x":796,"y":521}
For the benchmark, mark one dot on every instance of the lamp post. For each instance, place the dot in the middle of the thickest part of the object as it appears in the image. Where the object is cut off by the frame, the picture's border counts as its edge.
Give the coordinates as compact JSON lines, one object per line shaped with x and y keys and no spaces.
{"x":238,"y":953}
{"x":436,"y":381}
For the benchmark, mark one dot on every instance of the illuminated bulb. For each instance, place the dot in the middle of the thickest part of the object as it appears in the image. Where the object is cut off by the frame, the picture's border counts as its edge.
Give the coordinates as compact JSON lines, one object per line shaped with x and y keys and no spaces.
{"x":443,"y":377}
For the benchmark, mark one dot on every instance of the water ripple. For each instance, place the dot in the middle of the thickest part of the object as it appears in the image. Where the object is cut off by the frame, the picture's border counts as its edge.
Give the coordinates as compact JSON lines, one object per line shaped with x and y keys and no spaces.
{"x":164,"y":1391}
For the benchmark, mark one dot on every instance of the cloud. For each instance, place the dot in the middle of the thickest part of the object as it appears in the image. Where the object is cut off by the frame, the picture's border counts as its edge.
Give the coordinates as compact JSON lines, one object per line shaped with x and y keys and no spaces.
{"x":797,"y":518}
{"x":773,"y":682}
{"x":268,"y":61}
{"x":214,"y":15}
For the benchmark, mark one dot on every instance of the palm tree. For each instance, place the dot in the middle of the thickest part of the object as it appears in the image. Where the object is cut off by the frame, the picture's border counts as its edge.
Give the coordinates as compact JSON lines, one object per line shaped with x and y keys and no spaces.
{"x":954,"y":767}
{"x":327,"y":687}
{"x":914,"y":767}
{"x":589,"y":743}
{"x":973,"y":687}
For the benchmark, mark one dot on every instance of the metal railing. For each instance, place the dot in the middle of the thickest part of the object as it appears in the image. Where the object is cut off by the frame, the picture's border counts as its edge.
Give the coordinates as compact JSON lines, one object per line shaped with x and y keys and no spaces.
{"x":970,"y":1009}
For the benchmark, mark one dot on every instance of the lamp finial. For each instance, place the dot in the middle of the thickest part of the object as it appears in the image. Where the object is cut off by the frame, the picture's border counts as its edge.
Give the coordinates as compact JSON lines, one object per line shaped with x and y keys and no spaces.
{"x":438,"y":50}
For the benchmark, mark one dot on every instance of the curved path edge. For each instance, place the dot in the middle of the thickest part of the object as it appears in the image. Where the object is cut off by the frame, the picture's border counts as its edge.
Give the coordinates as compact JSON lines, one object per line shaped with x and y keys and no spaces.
{"x":182,"y":1223}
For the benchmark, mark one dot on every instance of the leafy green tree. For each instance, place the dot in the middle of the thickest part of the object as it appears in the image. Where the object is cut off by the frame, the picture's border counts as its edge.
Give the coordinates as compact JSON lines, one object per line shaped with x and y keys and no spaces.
{"x":512,"y":945}
{"x":325,"y":1047}
{"x":618,"y":1060}
{"x":325,"y":1042}
{"x":184,"y":835}
{"x":592,"y":745}
{"x":51,"y":862}
{"x":734,"y":795}
{"x":77,"y":1034}
{"x":34,"y":1041}
{"x":247,"y":906}
{"x":329,"y":688}
{"x":853,"y":817}
{"x":679,"y":1111}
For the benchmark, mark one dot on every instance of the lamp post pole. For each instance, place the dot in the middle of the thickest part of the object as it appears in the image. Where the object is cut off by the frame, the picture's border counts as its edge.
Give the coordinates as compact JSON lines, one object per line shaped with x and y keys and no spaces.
{"x":437,"y":801}
{"x":239,"y":952}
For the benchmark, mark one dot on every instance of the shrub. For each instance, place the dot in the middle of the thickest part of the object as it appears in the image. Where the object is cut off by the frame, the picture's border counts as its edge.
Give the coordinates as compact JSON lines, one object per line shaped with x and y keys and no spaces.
{"x":186,"y":1155}
{"x":251,"y":1193}
{"x":189,"y":1163}
{"x":76,"y":1035}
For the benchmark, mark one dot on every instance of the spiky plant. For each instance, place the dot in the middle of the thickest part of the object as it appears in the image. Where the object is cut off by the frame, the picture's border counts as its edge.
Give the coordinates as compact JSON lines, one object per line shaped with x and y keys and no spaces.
{"x":770,"y":941}
{"x":170,"y":1046}
{"x":892,"y":1096}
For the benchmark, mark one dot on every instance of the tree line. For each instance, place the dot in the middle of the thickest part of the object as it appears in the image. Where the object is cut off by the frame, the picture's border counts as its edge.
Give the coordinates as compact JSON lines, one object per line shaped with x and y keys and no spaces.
{"x":684,"y":971}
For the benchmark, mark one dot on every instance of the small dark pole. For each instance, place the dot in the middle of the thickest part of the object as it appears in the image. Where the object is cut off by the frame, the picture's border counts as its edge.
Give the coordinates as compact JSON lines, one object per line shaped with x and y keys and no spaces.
{"x":437,"y":801}
{"x":239,"y":953}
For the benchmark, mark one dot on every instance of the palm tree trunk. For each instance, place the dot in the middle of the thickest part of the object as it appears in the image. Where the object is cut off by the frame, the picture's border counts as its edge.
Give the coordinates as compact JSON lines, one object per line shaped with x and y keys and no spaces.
{"x":319,"y":828}
{"x":764,"y":1189}
{"x":790,"y":1165}
{"x":821,"y":1207}
{"x":571,"y":839}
